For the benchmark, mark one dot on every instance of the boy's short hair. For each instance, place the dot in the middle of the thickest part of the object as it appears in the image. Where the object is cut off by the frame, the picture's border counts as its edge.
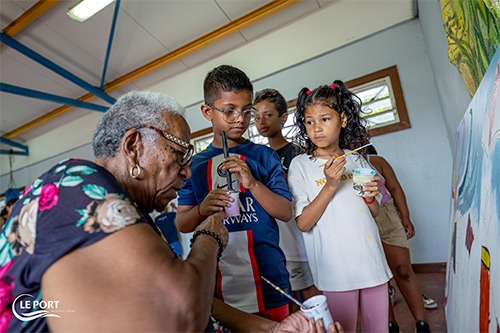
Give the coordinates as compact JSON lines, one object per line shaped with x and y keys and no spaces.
{"x":224,"y":78}
{"x":272,"y":96}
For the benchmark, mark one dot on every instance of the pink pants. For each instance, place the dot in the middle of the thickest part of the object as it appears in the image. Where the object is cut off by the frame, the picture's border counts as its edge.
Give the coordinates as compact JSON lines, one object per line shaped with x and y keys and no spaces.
{"x":373,"y":305}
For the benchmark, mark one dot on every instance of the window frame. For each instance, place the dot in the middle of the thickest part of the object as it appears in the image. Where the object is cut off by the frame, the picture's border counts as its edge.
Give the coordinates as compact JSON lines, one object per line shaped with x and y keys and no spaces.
{"x":395,"y":86}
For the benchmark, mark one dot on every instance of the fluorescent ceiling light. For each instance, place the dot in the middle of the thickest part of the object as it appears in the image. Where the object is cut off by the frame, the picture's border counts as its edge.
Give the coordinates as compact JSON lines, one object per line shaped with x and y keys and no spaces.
{"x":85,"y":9}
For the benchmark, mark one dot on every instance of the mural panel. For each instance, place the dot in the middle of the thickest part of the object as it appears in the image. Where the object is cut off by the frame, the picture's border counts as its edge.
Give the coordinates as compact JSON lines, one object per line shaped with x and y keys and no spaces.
{"x":473,"y":272}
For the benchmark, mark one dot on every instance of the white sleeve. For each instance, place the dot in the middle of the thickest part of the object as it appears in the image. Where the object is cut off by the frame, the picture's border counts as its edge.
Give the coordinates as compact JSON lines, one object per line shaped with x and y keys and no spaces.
{"x":296,"y":181}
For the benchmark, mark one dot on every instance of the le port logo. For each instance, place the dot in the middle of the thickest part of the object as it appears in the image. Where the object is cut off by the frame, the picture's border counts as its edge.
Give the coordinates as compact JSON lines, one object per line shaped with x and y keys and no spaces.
{"x":26,"y":308}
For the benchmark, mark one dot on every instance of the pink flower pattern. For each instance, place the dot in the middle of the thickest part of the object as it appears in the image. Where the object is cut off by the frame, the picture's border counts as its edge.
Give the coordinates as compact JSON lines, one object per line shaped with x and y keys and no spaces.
{"x":48,"y":197}
{"x":112,"y":211}
{"x":26,"y":190}
{"x":6,"y":297}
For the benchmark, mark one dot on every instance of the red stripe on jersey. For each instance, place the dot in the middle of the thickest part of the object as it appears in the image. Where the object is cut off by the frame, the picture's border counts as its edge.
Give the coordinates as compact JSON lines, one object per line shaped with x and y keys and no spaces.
{"x":255,"y":270}
{"x":209,"y":174}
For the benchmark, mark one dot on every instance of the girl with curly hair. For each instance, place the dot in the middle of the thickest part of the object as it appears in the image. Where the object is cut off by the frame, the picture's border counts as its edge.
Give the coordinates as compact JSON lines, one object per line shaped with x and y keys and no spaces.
{"x":342,"y":242}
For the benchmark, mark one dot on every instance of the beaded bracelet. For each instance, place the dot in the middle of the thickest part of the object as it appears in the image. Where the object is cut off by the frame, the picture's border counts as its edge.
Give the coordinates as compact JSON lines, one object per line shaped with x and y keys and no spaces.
{"x":211,"y":234}
{"x":369,"y":202}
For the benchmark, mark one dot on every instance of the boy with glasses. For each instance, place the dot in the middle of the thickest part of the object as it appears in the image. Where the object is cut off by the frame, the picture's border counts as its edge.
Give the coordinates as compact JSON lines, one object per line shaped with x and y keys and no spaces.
{"x":253,"y":248}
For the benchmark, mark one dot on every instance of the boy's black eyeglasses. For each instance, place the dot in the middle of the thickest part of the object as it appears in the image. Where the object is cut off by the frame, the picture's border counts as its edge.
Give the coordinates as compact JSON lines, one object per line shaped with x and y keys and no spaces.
{"x":183,"y":159}
{"x":231,"y":116}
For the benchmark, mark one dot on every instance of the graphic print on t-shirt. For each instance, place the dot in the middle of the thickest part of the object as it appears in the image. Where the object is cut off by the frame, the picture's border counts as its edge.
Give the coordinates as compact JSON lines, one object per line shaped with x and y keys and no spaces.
{"x":217,"y":180}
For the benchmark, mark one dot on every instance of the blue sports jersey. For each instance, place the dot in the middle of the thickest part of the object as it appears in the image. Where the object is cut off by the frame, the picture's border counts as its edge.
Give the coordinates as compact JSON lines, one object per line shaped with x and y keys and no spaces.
{"x":253,"y":248}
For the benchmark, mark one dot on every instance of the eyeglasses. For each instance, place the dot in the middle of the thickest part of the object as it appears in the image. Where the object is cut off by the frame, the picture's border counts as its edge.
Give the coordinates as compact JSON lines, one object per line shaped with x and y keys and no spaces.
{"x":183,"y":159}
{"x":231,"y":116}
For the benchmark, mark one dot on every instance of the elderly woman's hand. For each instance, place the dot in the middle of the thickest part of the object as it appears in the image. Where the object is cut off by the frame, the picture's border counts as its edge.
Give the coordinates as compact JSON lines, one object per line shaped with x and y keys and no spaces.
{"x":298,"y":322}
{"x":214,"y":223}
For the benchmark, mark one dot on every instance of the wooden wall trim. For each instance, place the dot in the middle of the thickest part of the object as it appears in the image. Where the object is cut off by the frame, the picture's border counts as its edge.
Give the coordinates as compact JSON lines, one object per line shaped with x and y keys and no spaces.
{"x":201,"y":132}
{"x":28,"y":16}
{"x":434,"y":267}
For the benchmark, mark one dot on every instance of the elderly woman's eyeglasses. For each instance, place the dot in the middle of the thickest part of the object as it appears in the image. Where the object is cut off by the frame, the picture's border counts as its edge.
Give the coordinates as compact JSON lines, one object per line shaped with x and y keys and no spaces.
{"x":231,"y":116}
{"x":183,"y":159}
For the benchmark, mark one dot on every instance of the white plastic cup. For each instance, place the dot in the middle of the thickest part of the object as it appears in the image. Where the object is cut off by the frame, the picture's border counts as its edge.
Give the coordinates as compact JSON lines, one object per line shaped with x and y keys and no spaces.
{"x":361,"y":176}
{"x":318,"y":309}
{"x":234,"y":209}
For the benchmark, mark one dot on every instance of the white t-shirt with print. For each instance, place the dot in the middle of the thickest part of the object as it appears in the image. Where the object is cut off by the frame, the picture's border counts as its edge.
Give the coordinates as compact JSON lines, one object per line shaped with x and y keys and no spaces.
{"x":343,"y":247}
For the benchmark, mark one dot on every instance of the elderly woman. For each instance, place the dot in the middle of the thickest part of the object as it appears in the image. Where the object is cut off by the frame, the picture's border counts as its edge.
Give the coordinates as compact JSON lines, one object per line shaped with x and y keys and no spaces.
{"x":80,"y":251}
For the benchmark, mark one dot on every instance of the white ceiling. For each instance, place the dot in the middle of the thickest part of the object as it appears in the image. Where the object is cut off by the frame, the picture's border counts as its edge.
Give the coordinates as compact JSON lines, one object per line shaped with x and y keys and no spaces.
{"x":145,"y":31}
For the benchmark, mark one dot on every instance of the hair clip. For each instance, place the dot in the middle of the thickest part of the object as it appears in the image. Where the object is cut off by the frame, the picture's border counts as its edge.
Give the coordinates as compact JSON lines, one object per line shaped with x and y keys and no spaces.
{"x":333,"y":86}
{"x":308,"y":92}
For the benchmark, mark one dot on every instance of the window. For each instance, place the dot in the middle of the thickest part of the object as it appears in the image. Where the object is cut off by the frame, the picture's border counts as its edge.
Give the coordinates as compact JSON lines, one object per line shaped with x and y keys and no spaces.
{"x":383,"y":104}
{"x":383,"y":108}
{"x":201,"y":139}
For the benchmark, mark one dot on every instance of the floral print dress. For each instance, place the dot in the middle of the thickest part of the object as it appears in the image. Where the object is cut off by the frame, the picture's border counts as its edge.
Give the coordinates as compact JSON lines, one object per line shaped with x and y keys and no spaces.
{"x":73,"y":205}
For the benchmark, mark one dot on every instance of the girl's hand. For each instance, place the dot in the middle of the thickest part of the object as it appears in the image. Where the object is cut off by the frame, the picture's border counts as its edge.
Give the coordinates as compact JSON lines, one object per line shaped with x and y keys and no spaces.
{"x":334,"y":170}
{"x":410,"y":230}
{"x":214,"y":202}
{"x":372,"y":188}
{"x":240,"y":169}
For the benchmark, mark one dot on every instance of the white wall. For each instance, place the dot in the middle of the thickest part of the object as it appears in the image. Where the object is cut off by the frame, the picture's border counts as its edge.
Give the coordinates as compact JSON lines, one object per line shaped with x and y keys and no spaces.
{"x":420,"y":155}
{"x":25,"y":176}
{"x":453,"y":94}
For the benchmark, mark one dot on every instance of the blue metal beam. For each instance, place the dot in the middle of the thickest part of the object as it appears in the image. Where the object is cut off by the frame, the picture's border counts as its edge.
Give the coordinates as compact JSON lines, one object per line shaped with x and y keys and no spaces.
{"x":49,"y":97}
{"x":110,"y":42}
{"x":55,"y":68}
{"x":25,"y":150}
{"x":13,"y":152}
{"x":13,"y":144}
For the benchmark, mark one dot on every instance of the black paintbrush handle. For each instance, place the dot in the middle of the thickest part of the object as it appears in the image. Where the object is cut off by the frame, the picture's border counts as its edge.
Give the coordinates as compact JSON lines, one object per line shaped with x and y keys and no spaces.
{"x":225,"y":149}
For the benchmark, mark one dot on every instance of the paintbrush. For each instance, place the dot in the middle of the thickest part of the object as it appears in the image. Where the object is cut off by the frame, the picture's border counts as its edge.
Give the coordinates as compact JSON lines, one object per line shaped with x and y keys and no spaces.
{"x":225,"y":149}
{"x":352,"y":151}
{"x":296,"y":301}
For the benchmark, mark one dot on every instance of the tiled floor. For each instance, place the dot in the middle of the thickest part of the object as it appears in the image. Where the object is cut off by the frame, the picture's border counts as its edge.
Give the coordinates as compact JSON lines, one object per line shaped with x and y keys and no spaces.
{"x":432,"y":284}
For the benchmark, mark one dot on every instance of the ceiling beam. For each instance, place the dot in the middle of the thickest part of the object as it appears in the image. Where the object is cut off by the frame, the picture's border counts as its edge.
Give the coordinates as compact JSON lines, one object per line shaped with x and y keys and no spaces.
{"x":29,"y":16}
{"x":10,"y":89}
{"x":183,"y":51}
{"x":11,"y":30}
{"x":110,"y":42}
{"x":24,"y":149}
{"x":204,"y":41}
{"x":26,"y":51}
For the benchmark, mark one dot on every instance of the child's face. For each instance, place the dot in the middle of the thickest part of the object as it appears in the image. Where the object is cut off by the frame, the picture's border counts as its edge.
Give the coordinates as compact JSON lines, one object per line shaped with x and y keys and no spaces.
{"x":323,"y":126}
{"x":229,"y":100}
{"x":268,"y":121}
